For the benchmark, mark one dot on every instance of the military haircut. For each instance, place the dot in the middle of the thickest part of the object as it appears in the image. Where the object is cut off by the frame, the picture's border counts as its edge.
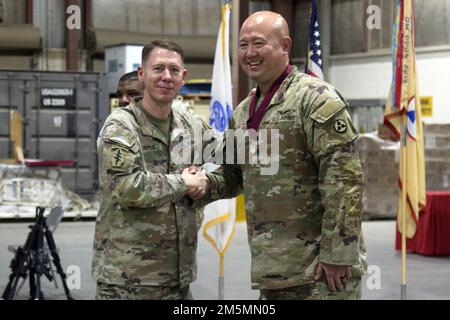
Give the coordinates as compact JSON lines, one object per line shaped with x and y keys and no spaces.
{"x":164,"y":44}
{"x":133,"y":75}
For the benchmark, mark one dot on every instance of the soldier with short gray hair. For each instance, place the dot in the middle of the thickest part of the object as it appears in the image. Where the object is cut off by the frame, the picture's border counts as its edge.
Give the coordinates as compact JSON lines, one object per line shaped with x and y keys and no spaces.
{"x":146,"y":229}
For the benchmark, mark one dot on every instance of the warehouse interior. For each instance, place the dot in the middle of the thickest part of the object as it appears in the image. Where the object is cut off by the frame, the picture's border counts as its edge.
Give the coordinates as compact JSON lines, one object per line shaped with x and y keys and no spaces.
{"x":60,"y":61}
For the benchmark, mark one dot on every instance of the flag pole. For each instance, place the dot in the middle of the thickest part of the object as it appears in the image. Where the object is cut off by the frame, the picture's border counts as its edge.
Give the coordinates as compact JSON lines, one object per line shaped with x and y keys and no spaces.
{"x":221,"y":278}
{"x":225,"y":5}
{"x":404,"y":209}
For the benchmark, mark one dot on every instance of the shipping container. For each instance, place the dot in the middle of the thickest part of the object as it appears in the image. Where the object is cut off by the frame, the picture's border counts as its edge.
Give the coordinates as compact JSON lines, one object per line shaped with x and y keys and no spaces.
{"x":63,"y":113}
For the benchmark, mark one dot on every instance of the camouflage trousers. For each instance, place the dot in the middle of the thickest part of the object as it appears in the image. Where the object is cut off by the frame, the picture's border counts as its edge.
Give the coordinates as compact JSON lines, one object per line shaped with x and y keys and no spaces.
{"x":315,"y":291}
{"x":122,"y":292}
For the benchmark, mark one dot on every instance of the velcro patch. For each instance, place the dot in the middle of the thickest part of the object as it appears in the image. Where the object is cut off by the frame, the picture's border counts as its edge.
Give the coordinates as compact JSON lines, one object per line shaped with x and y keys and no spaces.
{"x":328,"y":110}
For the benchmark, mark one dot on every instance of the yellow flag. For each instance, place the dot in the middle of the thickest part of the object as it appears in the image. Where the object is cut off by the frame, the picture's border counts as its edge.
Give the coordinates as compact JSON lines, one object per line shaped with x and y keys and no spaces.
{"x":403,"y":117}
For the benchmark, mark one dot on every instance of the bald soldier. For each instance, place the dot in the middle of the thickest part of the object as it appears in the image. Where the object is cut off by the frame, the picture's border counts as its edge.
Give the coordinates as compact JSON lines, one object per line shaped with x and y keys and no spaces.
{"x":304,"y":221}
{"x":129,"y":87}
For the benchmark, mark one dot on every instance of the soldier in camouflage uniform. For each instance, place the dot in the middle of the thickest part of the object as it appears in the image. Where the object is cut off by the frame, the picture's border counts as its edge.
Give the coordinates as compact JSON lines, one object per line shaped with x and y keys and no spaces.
{"x":304,"y":223}
{"x":146,"y":231}
{"x":129,"y":87}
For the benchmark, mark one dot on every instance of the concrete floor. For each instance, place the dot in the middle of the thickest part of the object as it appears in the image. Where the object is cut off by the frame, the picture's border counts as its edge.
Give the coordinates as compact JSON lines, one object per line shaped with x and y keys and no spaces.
{"x":428,"y":277}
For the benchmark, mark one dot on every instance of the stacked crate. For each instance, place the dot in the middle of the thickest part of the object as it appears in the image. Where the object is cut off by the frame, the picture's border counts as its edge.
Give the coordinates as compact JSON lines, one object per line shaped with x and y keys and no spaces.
{"x":437,"y":156}
{"x":379,"y":160}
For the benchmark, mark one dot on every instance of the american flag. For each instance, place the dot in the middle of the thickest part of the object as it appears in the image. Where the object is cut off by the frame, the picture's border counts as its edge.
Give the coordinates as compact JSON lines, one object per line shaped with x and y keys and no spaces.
{"x":314,"y":61}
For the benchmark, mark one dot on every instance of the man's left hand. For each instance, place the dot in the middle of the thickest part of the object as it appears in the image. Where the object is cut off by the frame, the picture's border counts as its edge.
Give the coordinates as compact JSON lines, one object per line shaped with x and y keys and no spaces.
{"x":336,"y":276}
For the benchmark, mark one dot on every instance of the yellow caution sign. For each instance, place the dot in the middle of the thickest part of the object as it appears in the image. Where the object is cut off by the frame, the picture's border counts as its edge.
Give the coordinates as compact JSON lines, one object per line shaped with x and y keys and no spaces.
{"x":426,"y":106}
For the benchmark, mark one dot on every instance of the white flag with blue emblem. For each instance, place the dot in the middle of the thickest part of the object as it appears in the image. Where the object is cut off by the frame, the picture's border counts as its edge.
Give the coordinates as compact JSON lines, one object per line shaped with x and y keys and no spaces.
{"x":220,"y":216}
{"x":221,"y":94}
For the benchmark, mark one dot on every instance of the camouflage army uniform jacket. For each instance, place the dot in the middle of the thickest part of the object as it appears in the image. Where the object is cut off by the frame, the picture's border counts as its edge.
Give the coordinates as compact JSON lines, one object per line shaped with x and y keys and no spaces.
{"x":311,"y":210}
{"x":145,"y":232}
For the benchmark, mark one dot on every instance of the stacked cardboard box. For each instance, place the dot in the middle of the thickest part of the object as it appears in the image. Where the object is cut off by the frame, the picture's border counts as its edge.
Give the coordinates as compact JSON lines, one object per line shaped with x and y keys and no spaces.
{"x":385,"y":133}
{"x":437,"y":156}
{"x":380,"y":160}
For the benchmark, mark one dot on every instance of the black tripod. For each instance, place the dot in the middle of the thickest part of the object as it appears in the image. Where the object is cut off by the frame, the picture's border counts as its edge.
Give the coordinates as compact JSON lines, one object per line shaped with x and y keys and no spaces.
{"x":32,"y":258}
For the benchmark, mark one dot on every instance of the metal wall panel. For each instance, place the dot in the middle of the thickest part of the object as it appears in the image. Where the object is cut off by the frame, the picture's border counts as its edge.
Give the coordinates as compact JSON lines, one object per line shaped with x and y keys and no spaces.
{"x":387,"y":21}
{"x":111,"y":14}
{"x":149,"y":15}
{"x":8,"y":102}
{"x":431,"y":19}
{"x":63,"y":114}
{"x":65,"y":123}
{"x":186,"y":17}
{"x":168,"y":17}
{"x":374,"y":35}
{"x":259,"y":5}
{"x":350,"y":33}
{"x":338,"y":26}
{"x":5,"y":148}
{"x":50,"y":17}
{"x":349,"y":27}
{"x":171,"y":17}
{"x":446,"y":28}
{"x":4,"y":122}
{"x":78,"y":180}
{"x":12,"y":11}
{"x":10,"y":61}
{"x":300,"y":33}
{"x":208,"y":17}
{"x":130,"y":15}
{"x":194,"y":47}
{"x":63,"y":149}
{"x":355,"y":34}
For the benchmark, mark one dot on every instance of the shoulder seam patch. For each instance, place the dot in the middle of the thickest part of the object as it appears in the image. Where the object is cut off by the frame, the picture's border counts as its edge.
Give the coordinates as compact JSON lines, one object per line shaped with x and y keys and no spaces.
{"x":328,"y":110}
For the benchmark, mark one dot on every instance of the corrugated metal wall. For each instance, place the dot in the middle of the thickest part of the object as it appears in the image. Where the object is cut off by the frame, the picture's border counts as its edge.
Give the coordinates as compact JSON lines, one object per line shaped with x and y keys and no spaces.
{"x":350,"y":33}
{"x":432,"y":22}
{"x":12,"y":11}
{"x":300,"y":33}
{"x":259,"y":5}
{"x":50,"y":17}
{"x":170,"y":17}
{"x":380,"y":38}
{"x":200,"y":18}
{"x":347,"y":26}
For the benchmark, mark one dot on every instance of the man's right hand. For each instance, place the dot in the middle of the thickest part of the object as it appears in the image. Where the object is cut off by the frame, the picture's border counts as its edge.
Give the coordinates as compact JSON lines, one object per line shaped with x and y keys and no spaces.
{"x":196,"y":182}
{"x":336,"y":276}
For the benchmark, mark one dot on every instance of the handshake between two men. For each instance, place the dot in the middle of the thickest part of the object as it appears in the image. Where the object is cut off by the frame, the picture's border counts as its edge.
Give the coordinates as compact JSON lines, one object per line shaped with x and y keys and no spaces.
{"x":196,"y":181}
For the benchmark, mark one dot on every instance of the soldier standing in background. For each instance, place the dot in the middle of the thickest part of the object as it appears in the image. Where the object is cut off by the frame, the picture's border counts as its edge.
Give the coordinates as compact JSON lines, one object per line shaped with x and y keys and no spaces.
{"x":146,"y":232}
{"x":304,"y":222}
{"x":128,"y":88}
